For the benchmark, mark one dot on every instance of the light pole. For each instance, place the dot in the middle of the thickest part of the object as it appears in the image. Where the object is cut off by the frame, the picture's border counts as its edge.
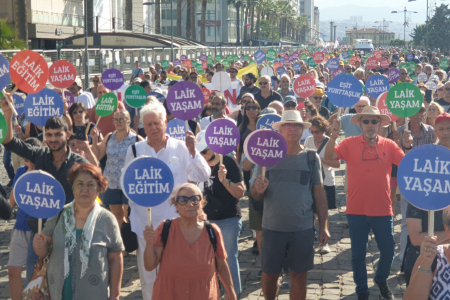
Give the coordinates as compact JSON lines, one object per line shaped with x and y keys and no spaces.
{"x":86,"y":54}
{"x":404,"y":24}
{"x":171,"y":26}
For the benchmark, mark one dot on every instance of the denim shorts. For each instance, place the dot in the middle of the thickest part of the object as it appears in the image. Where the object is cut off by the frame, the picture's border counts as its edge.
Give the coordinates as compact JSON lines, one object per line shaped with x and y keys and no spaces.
{"x":297,"y":247}
{"x":114,"y":197}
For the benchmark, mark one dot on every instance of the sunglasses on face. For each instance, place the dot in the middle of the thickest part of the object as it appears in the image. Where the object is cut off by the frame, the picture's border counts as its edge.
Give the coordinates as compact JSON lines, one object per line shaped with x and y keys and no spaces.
{"x":78,"y":112}
{"x":251,"y":108}
{"x":204,"y":151}
{"x":315,"y":132}
{"x":317,"y":98}
{"x":233,"y":72}
{"x":263,"y":83}
{"x":290,"y":105}
{"x":374,"y":122}
{"x":183,"y":200}
{"x":95,"y":81}
{"x":403,"y":73}
{"x":193,"y":78}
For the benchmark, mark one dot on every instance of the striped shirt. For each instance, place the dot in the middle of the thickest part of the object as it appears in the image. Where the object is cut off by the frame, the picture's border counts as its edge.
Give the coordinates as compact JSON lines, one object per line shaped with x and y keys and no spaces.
{"x":426,"y":135}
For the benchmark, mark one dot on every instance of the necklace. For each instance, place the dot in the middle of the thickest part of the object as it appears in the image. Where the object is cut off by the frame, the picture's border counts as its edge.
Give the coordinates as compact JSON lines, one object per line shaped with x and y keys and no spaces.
{"x":318,"y":142}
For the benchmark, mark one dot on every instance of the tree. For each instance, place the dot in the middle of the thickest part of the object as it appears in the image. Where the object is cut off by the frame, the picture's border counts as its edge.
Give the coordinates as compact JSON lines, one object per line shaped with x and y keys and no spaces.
{"x":268,"y":31}
{"x":21,"y":23}
{"x":192,"y":17}
{"x":203,"y":23}
{"x":397,"y":43}
{"x":9,"y":37}
{"x":418,"y":35}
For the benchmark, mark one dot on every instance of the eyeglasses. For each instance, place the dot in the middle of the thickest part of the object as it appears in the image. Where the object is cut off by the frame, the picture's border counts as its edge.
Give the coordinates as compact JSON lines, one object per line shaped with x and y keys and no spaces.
{"x":95,"y":81}
{"x":315,"y":132}
{"x":403,"y":73}
{"x":183,"y":200}
{"x":440,"y":90}
{"x":263,"y":83}
{"x":121,"y":120}
{"x":204,"y":151}
{"x":374,"y":122}
{"x":360,"y":106}
{"x":370,"y":152}
{"x":78,"y":112}
{"x":251,"y":108}
{"x":233,"y":72}
{"x":290,"y":105}
{"x":290,"y":125}
{"x":193,"y":78}
{"x":317,"y":98}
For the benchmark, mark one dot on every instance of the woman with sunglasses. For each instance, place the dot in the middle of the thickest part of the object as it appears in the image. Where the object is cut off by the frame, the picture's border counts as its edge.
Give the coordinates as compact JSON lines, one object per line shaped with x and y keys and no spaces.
{"x":115,"y":146}
{"x":93,"y":90}
{"x":188,"y":262}
{"x":318,"y":141}
{"x":308,"y":112}
{"x":81,"y":129}
{"x":223,"y":190}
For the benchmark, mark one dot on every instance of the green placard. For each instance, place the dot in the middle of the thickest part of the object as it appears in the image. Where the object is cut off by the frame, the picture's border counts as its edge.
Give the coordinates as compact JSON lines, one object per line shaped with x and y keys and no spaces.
{"x":230,"y":57}
{"x":402,"y":65}
{"x":235,"y":58}
{"x":271,"y":55}
{"x":209,"y":57}
{"x":367,"y":55}
{"x":350,"y":53}
{"x":413,"y":77}
{"x":135,"y":95}
{"x":303,"y":56}
{"x":106,"y":105}
{"x":404,"y":99}
{"x":210,"y":61}
{"x":3,"y":127}
{"x":443,"y":63}
{"x":165,"y":64}
{"x":245,"y":58}
{"x":252,"y":62}
{"x":411,"y":67}
{"x":365,"y":59}
{"x":311,"y":62}
{"x":362,"y":86}
{"x":218,"y":58}
{"x":199,"y":67}
{"x":405,"y":50}
{"x":1,"y":94}
{"x":226,"y":63}
{"x":310,"y":49}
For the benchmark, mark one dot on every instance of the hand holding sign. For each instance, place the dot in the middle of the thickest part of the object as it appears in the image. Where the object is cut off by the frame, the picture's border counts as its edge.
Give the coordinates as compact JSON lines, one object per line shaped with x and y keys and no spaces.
{"x":106,"y":105}
{"x":39,"y":195}
{"x":222,"y":136}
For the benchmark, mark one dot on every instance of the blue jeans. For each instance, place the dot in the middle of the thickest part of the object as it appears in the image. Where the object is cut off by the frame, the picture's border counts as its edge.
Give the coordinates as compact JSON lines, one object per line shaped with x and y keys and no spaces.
{"x":231,"y":229}
{"x":359,"y":228}
{"x":32,"y":258}
{"x":7,"y":162}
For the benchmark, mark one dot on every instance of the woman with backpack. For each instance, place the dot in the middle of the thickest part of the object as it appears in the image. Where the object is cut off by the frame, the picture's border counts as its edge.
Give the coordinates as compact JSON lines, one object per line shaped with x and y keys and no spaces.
{"x":115,"y":146}
{"x":190,"y":252}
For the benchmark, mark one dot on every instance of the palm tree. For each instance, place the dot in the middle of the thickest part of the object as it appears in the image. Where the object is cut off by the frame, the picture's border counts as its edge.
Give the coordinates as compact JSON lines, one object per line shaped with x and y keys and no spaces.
{"x":21,"y":23}
{"x":303,"y":22}
{"x":179,"y":4}
{"x":202,"y":28}
{"x":9,"y":37}
{"x":192,"y":17}
{"x":158,"y":16}
{"x":188,"y":19}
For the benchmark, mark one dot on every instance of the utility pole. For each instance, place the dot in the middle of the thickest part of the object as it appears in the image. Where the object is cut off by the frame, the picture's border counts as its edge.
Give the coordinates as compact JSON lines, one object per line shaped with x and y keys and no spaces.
{"x":86,"y":54}
{"x":334,"y":33}
{"x":331,"y":31}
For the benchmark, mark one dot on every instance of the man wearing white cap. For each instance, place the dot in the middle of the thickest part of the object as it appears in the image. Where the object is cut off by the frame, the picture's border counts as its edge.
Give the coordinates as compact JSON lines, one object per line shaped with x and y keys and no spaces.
{"x":369,"y":159}
{"x":76,"y":89}
{"x":287,"y":221}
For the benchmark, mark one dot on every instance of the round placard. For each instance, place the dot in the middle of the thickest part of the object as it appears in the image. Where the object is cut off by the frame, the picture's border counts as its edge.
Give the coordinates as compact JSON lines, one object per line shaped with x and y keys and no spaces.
{"x":5,"y":77}
{"x":271,"y":55}
{"x":265,"y":147}
{"x":222,"y":136}
{"x":112,"y":79}
{"x":106,"y":105}
{"x":185,"y":100}
{"x":135,"y":96}
{"x":344,"y":90}
{"x":384,"y":63}
{"x":393,"y":75}
{"x":147,"y":181}
{"x":266,"y":121}
{"x":304,"y":86}
{"x":176,"y":129}
{"x":39,"y":194}
{"x":382,"y":107}
{"x":42,"y":106}
{"x":19,"y":103}
{"x":29,"y":71}
{"x":259,"y":56}
{"x":158,"y":96}
{"x":62,"y":74}
{"x":221,"y":81}
{"x":318,"y":57}
{"x":3,"y":128}
{"x":376,"y":85}
{"x":404,"y":99}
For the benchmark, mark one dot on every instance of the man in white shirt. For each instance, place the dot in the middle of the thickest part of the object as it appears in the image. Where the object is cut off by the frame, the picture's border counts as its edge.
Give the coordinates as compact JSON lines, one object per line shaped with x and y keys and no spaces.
{"x":84,"y":97}
{"x":218,"y":104}
{"x":184,"y":161}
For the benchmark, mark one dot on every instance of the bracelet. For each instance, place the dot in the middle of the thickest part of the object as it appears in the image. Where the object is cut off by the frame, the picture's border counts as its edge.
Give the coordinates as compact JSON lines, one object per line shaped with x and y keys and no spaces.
{"x":423,"y":271}
{"x":407,"y":148}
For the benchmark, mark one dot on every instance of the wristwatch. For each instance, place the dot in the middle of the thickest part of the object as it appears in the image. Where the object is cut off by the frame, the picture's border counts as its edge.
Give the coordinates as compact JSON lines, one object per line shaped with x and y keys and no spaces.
{"x":229,"y":182}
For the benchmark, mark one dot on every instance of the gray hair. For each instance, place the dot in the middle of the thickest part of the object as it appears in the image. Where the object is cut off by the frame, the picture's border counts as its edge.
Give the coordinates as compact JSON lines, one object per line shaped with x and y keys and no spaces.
{"x":287,"y":77}
{"x":275,"y":102}
{"x":358,"y":71}
{"x":153,"y":107}
{"x":176,"y":191}
{"x":248,"y":95}
{"x":267,"y":77}
{"x":428,"y":66}
{"x":365,"y":98}
{"x":222,"y":97}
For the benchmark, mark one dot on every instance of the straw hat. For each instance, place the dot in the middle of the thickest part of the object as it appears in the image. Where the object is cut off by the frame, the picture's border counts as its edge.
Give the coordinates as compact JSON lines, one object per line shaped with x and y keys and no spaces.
{"x":371,"y":111}
{"x":291,"y":116}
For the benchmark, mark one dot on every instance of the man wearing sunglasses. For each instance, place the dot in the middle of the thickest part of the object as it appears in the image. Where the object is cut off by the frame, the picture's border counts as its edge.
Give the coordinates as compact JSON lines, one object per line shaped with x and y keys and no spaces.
{"x":285,"y":87}
{"x":369,"y":159}
{"x":316,"y":100}
{"x":404,"y":77}
{"x":445,"y":101}
{"x":290,"y":103}
{"x":266,"y":94}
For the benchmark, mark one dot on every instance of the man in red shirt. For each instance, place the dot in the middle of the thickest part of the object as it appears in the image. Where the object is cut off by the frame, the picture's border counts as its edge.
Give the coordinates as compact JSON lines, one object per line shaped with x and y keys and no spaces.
{"x":369,"y":159}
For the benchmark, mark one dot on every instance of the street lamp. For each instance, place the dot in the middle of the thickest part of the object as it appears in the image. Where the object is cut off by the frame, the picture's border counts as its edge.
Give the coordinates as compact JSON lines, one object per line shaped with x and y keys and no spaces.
{"x":404,"y":24}
{"x":242,"y":39}
{"x":171,"y":26}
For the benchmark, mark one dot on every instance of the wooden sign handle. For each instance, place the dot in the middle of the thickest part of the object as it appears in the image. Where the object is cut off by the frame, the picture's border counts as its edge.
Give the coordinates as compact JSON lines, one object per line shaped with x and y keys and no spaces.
{"x":39,"y":226}
{"x":263,"y":171}
{"x":431,"y":223}
{"x":98,"y":120}
{"x":9,"y":102}
{"x":187,"y":125}
{"x":339,"y":112}
{"x":149,"y":216}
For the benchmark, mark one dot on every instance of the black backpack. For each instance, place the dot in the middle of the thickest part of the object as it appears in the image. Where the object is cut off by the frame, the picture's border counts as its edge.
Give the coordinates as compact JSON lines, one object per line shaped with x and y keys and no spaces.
{"x":209,"y":229}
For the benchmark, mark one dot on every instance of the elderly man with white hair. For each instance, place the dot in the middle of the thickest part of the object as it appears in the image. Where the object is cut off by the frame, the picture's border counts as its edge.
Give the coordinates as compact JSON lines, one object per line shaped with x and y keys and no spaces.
{"x":266,"y":94}
{"x":359,"y":74}
{"x":184,"y":161}
{"x":285,"y":87}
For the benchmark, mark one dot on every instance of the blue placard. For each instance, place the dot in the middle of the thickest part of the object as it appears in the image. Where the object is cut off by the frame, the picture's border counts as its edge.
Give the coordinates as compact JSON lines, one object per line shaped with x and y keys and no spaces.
{"x":332,"y":63}
{"x":423,"y":177}
{"x":266,"y":121}
{"x":296,"y":66}
{"x":272,"y":83}
{"x":345,"y":55}
{"x":42,"y":106}
{"x":39,"y":194}
{"x":282,"y":59}
{"x":281,"y":70}
{"x":259,"y":56}
{"x":409,"y":56}
{"x":176,"y":128}
{"x":158,"y":96}
{"x":147,"y":181}
{"x":18,"y":104}
{"x":4,"y":72}
{"x":376,"y":85}
{"x":344,"y":90}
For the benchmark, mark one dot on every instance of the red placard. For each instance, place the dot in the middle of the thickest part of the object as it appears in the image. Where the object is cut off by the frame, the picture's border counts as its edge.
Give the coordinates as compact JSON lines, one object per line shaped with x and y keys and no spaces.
{"x":377,"y":55}
{"x":204,"y":65}
{"x":29,"y":71}
{"x":318,"y":57}
{"x":206,"y":94}
{"x":62,"y":74}
{"x":187,"y":63}
{"x":382,"y":106}
{"x":304,"y":86}
{"x":277,"y":65}
{"x":353,"y":60}
{"x":372,"y":62}
{"x":385,"y":63}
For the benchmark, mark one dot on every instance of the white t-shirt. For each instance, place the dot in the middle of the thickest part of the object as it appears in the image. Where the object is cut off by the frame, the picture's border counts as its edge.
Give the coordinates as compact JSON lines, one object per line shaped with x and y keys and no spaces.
{"x":329,"y":171}
{"x":86,"y":98}
{"x":208,"y":120}
{"x":306,"y":133}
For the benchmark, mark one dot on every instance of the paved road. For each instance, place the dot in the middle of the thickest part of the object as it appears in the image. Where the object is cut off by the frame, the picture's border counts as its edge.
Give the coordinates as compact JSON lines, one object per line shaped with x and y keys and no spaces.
{"x":332,"y":277}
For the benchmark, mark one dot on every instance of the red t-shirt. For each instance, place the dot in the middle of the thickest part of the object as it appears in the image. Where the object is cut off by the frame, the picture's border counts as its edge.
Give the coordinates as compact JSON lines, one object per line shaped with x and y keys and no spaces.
{"x":368,"y":179}
{"x":105,"y":125}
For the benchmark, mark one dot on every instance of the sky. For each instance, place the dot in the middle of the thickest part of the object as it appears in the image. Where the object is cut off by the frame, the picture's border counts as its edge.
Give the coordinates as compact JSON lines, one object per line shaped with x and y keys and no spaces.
{"x":418,"y":5}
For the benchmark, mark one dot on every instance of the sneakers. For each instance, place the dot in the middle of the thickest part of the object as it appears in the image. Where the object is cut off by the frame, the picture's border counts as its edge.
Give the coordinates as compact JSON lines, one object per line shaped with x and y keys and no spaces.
{"x":385,"y":291}
{"x":363,"y":297}
{"x":325,"y":249}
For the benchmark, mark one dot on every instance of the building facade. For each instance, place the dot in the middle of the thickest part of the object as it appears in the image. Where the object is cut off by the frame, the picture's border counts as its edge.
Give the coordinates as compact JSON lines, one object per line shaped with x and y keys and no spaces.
{"x":378,"y":37}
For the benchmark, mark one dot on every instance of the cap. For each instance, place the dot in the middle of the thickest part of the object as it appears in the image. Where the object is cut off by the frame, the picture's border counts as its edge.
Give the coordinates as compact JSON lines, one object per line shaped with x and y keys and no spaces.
{"x":137,"y":79}
{"x":78,"y":82}
{"x":341,"y":63}
{"x":318,"y":92}
{"x":233,"y":68}
{"x":290,"y":99}
{"x":442,"y":117}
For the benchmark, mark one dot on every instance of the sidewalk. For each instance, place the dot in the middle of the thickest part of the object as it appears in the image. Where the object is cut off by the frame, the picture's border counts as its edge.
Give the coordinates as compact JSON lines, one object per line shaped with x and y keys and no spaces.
{"x":332,"y":277}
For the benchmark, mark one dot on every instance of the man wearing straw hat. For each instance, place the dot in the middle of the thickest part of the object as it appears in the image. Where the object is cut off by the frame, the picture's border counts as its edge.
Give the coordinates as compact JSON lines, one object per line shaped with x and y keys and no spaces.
{"x":287,"y":190}
{"x":369,"y":160}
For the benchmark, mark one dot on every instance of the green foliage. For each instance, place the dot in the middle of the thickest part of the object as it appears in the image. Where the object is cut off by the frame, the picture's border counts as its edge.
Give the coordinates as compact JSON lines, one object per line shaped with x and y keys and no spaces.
{"x":8,"y":37}
{"x":397,"y":43}
{"x":418,"y":35}
{"x":268,"y":31}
